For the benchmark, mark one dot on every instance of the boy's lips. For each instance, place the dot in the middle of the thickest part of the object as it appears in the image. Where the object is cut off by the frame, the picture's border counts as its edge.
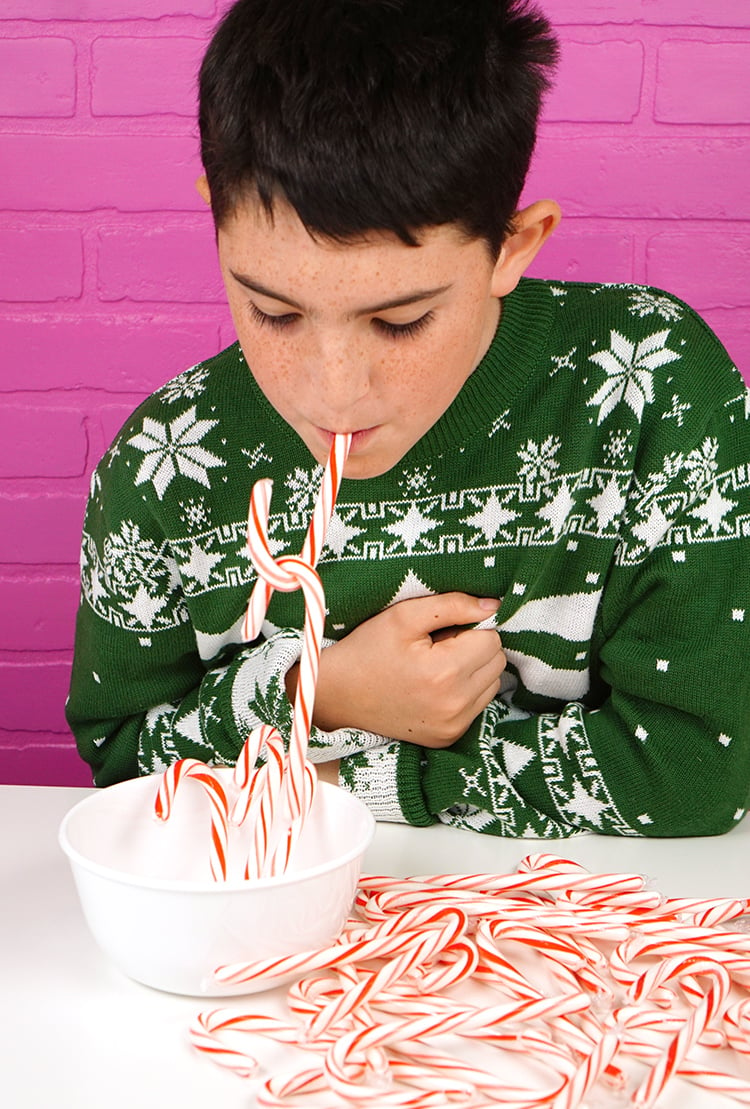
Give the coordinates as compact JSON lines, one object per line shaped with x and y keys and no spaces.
{"x":360,"y":437}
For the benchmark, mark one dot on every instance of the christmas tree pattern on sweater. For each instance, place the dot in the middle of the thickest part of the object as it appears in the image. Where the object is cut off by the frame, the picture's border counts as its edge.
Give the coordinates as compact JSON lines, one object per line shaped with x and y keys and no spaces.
{"x":593,"y":474}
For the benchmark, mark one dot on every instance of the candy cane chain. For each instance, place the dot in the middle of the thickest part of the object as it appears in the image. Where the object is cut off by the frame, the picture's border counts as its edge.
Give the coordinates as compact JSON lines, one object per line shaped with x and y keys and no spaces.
{"x":246,"y":775}
{"x":178,"y":772}
{"x":269,"y":786}
{"x":306,"y":683}
{"x":416,"y":949}
{"x":717,"y":1081}
{"x":326,"y":500}
{"x":257,"y":532}
{"x":262,"y":557}
{"x":275,"y":1091}
{"x":283,"y":853}
{"x":203,"y":1033}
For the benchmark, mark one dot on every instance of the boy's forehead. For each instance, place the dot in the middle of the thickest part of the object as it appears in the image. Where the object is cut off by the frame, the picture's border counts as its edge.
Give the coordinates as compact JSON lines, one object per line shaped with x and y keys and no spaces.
{"x":274,"y":254}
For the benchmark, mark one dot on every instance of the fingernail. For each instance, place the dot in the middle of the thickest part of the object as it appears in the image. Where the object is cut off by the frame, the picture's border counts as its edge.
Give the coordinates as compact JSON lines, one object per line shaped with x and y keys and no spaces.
{"x":490,"y":604}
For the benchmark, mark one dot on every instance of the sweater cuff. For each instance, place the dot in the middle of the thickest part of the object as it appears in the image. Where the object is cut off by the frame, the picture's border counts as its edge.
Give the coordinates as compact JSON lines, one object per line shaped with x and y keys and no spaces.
{"x":371,"y":776}
{"x":387,"y":780}
{"x":340,"y":744}
{"x":258,"y":691}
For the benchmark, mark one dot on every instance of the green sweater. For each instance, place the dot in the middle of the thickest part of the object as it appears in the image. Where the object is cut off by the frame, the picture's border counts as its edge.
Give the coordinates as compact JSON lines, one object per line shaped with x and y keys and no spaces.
{"x":594,"y":472}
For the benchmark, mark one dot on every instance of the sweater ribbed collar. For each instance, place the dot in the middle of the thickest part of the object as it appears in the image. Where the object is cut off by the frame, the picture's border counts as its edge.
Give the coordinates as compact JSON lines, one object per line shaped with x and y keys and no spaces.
{"x":511,"y":359}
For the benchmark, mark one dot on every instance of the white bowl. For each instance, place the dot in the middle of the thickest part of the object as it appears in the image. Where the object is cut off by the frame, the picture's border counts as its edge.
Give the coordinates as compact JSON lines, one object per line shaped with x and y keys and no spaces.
{"x":153,"y":908}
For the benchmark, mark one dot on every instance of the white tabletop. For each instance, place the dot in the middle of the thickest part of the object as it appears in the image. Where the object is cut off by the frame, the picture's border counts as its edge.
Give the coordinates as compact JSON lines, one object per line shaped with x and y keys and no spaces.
{"x":77,"y":1033}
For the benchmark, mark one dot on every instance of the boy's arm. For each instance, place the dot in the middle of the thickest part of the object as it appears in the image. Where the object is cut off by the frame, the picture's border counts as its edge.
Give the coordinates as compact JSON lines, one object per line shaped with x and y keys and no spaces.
{"x":141,"y":696}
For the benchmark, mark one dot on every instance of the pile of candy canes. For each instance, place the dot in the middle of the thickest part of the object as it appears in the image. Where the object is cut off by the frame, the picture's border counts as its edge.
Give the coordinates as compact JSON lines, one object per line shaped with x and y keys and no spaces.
{"x":619,"y":975}
{"x":275,"y":796}
{"x":628,"y":977}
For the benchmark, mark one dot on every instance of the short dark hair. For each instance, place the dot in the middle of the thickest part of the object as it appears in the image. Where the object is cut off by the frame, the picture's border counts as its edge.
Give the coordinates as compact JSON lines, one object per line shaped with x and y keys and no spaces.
{"x":376,"y":115}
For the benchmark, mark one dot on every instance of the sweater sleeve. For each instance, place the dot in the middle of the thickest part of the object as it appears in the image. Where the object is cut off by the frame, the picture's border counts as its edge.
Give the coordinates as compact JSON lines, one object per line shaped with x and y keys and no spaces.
{"x":141,"y":696}
{"x":148,"y":685}
{"x":664,"y":749}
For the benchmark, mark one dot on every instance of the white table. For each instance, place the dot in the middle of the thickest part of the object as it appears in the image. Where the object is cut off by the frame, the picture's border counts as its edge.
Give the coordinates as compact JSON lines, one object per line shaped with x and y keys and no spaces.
{"x":76,"y":1034}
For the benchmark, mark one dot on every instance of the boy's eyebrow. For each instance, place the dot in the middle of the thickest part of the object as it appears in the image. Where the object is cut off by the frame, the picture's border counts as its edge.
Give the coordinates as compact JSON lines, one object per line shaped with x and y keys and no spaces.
{"x":395,"y":302}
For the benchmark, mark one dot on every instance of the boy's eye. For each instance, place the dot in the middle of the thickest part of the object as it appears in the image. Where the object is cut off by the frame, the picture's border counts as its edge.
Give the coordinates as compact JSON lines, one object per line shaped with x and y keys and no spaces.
{"x":264,"y":319}
{"x":402,"y":330}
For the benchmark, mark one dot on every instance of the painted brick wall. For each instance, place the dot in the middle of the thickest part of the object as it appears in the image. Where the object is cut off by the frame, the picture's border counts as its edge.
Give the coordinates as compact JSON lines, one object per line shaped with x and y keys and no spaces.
{"x":109,"y":285}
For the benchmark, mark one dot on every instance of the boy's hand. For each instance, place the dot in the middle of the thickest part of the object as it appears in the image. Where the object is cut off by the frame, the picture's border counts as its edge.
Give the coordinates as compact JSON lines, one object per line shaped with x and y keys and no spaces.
{"x":413,"y":672}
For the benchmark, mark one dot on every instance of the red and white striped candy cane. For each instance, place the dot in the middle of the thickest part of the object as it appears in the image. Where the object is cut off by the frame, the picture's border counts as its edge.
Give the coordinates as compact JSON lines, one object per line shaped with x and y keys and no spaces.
{"x":208,"y":1030}
{"x":245,"y":771}
{"x":185,"y":769}
{"x":654,"y":1083}
{"x":257,"y":528}
{"x":269,"y":787}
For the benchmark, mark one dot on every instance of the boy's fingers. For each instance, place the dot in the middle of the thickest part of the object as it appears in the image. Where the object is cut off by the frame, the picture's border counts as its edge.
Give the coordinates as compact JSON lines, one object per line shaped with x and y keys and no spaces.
{"x":449,"y":610}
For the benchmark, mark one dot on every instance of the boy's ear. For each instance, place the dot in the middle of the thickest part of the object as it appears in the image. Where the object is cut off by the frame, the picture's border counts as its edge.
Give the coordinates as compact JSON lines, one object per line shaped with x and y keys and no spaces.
{"x":532,"y":227}
{"x":203,"y":190}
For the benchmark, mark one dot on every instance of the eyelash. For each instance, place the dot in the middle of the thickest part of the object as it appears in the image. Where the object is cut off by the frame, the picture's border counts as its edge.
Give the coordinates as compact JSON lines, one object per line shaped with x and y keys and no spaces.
{"x":392,"y":330}
{"x":403,"y":330}
{"x":263,"y":319}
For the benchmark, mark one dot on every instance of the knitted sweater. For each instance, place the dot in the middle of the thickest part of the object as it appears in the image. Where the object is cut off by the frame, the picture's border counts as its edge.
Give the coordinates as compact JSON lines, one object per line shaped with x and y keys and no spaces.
{"x":593,"y":472}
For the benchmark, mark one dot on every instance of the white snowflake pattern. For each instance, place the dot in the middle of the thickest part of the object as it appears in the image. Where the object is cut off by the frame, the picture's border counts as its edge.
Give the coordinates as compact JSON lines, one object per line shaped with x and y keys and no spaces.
{"x":411,"y":528}
{"x":658,"y":481}
{"x":172,"y":448}
{"x":112,"y":453}
{"x":257,"y":455}
{"x":645,"y":303}
{"x":195,"y":514}
{"x":187,"y":386}
{"x":302,"y":488}
{"x":629,"y":368}
{"x":538,"y":462}
{"x":492,"y":516}
{"x":618,"y":446}
{"x":563,"y":361}
{"x":677,"y":411}
{"x":417,"y":480}
{"x":128,"y":556}
{"x":701,"y":464}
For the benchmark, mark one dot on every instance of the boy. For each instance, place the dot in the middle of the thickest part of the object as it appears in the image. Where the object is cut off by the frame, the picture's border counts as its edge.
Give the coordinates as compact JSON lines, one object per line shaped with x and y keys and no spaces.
{"x":565,"y":466}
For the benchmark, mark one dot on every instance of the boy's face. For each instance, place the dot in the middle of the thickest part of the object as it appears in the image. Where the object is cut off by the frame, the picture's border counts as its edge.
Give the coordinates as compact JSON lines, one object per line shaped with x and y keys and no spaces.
{"x":372,"y":337}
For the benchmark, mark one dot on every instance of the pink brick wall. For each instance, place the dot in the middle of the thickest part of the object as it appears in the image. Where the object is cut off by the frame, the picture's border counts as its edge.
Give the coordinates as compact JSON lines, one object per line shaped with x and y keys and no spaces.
{"x":108,"y":282}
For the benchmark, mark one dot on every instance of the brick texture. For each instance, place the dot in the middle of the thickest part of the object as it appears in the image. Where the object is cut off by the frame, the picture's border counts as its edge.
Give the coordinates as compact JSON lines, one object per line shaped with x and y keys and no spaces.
{"x":109,"y":283}
{"x":163,"y":76}
{"x":37,"y":77}
{"x":704,"y":82}
{"x":174,"y":265}
{"x":40,"y":264}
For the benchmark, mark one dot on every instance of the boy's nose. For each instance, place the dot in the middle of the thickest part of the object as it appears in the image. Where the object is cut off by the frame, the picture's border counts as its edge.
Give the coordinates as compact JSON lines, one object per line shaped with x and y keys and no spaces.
{"x":341,"y":377}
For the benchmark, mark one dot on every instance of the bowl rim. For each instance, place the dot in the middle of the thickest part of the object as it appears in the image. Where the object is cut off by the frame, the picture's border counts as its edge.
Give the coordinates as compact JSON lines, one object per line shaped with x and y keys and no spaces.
{"x":209,"y":885}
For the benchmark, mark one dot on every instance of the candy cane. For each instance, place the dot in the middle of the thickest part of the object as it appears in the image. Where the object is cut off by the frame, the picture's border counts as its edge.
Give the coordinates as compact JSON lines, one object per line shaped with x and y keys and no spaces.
{"x":245,"y":772}
{"x":373,"y":1004}
{"x":206,"y":776}
{"x":269,"y":786}
{"x":287,"y":574}
{"x":258,"y":525}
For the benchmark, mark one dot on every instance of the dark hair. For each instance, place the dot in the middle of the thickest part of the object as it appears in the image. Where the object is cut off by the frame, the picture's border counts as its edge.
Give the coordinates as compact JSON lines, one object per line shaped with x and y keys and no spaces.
{"x":389,"y":115}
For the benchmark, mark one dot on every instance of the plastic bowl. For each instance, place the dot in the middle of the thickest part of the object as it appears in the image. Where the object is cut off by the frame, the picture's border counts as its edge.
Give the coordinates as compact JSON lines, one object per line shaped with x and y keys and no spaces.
{"x":153,"y":908}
